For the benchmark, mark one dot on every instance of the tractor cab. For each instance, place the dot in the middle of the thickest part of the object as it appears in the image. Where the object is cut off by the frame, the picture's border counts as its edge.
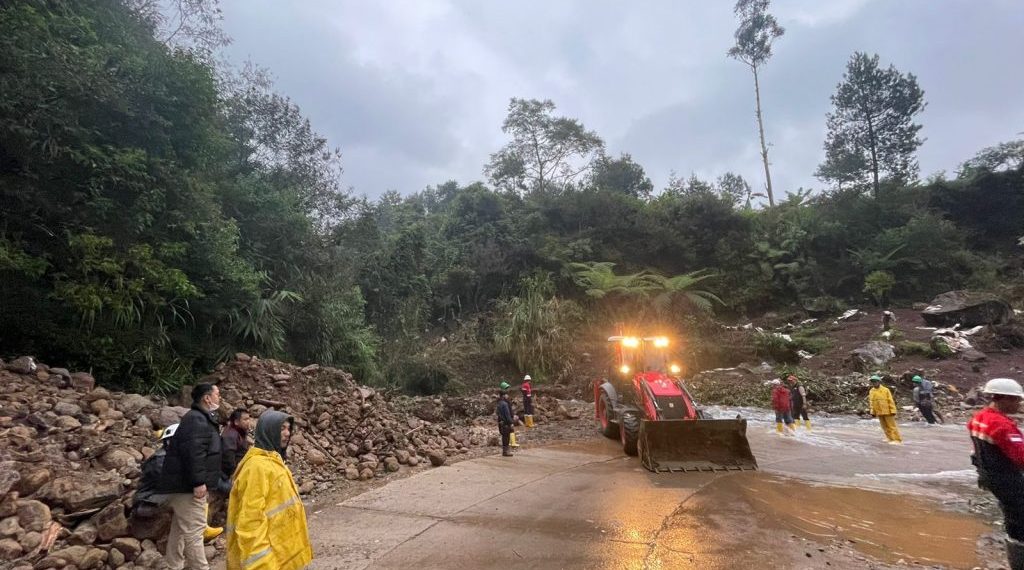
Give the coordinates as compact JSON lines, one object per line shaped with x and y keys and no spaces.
{"x":631,"y":355}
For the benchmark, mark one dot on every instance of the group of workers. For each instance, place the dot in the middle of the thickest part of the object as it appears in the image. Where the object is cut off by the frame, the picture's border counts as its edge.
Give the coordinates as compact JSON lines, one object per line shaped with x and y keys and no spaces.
{"x":789,"y":400}
{"x":198,"y":463}
{"x":998,"y":442}
{"x":507,"y":417}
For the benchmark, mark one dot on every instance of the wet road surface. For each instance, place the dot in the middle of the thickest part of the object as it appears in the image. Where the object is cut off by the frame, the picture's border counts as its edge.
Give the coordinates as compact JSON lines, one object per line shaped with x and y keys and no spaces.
{"x":585,"y":505}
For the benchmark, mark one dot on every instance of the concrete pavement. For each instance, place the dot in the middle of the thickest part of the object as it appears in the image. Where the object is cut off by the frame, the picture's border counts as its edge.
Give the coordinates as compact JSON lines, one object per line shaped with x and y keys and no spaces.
{"x":585,"y":505}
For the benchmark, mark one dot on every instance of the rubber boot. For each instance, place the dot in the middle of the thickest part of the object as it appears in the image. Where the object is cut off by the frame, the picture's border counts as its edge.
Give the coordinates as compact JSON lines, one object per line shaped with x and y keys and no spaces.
{"x":807,"y":424}
{"x":1015,"y":554}
{"x":779,"y":427}
{"x":529,"y":421}
{"x":211,"y":532}
{"x":512,"y":440}
{"x":506,"y":452}
{"x":791,"y":429}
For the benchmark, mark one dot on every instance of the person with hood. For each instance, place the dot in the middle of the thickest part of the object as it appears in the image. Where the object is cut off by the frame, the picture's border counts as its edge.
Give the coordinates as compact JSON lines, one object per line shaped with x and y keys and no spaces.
{"x":266,"y":519}
{"x":798,"y":399}
{"x":924,"y":391}
{"x":883,"y":407}
{"x":505,"y":420}
{"x":782,"y":405}
{"x":527,"y":391}
{"x":999,"y":457}
{"x":191,"y":470}
{"x":235,"y":441}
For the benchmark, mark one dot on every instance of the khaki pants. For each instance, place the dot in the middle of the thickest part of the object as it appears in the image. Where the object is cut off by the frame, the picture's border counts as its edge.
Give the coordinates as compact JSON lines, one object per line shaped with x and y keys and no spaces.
{"x":892,"y":433}
{"x":185,"y":541}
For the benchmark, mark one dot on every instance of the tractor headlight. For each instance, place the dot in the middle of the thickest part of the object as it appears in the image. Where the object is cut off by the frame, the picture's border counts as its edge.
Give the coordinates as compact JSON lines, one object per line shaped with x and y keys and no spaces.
{"x":624,"y":369}
{"x":631,"y":341}
{"x":661,"y":342}
{"x":675,"y":369}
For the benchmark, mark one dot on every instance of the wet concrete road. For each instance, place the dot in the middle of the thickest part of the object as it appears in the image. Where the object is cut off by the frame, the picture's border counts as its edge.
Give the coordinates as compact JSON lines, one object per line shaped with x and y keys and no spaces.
{"x":586,"y":505}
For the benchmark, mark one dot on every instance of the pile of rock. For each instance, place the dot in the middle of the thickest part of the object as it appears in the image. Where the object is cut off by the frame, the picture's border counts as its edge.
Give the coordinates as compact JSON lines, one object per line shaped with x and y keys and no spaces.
{"x":69,"y":457}
{"x":70,"y":452}
{"x":344,"y":428}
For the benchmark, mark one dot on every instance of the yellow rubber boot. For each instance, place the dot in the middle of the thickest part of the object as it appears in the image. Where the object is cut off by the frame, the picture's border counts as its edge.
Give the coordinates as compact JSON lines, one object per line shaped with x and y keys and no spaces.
{"x":512,"y":440}
{"x":211,"y":532}
{"x":807,"y":424}
{"x":529,"y":421}
{"x":779,"y":427}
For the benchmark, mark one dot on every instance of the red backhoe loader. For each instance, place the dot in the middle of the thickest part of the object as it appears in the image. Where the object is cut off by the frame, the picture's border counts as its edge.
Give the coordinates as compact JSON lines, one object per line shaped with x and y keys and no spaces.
{"x":644,"y":403}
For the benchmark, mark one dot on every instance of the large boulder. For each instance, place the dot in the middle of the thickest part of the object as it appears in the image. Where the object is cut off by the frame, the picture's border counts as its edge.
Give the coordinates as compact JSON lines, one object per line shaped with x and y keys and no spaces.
{"x":33,"y":515}
{"x":22,"y":365}
{"x":77,"y":493}
{"x":111,"y":522}
{"x":132,"y":404}
{"x":966,"y":309}
{"x":872,"y":355}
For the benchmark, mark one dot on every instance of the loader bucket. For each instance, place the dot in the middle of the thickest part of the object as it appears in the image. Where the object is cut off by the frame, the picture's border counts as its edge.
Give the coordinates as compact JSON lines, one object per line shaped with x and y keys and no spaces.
{"x":695,"y":445}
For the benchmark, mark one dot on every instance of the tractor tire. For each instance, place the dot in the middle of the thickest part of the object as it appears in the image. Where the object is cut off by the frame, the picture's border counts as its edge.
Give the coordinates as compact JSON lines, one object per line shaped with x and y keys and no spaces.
{"x":608,"y":428}
{"x":629,"y":432}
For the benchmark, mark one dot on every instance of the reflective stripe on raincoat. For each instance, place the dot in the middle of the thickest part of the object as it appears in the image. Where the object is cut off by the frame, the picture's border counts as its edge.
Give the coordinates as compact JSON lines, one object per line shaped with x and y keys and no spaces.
{"x":266,"y":520}
{"x":881,"y":402}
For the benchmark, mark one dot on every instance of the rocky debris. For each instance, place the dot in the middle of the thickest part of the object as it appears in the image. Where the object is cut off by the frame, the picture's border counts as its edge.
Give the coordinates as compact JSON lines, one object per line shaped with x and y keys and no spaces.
{"x":966,"y":309}
{"x":22,"y":365}
{"x":872,"y":355}
{"x":437,"y":458}
{"x":71,"y":453}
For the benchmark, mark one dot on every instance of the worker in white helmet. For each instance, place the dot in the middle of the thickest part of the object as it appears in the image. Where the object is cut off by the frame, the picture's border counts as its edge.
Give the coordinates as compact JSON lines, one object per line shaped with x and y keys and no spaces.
{"x":999,"y":457}
{"x":527,"y":391}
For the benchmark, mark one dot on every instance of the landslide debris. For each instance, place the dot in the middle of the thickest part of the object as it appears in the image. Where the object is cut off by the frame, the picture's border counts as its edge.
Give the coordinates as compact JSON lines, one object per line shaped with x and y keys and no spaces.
{"x":70,"y":451}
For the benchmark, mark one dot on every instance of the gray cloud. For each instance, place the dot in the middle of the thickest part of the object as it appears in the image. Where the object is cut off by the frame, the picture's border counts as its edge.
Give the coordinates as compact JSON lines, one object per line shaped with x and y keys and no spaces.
{"x":414,"y":92}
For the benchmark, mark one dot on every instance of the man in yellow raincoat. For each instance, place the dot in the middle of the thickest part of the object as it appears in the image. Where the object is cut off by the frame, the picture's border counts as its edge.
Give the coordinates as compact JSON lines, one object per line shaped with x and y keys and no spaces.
{"x":883,"y":407}
{"x":266,"y":520}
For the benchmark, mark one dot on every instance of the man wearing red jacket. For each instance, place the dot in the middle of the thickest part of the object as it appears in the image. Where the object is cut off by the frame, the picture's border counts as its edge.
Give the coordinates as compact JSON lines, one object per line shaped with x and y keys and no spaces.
{"x":999,"y":457}
{"x":783,"y":407}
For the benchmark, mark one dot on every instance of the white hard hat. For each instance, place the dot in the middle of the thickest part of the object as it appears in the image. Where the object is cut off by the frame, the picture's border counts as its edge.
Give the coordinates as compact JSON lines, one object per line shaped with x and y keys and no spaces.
{"x":169,"y":432}
{"x":527,"y":377}
{"x":776,"y":381}
{"x":1003,"y":387}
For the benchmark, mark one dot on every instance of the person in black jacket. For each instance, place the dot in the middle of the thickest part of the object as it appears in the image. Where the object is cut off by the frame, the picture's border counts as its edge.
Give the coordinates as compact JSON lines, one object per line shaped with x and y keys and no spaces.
{"x":235,"y":441}
{"x":191,"y":470}
{"x":505,"y":421}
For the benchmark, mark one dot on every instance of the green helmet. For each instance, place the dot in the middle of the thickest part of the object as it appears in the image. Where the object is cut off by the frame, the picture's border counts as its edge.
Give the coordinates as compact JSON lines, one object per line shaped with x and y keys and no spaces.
{"x":918,"y":379}
{"x":875,"y":378}
{"x":504,"y":386}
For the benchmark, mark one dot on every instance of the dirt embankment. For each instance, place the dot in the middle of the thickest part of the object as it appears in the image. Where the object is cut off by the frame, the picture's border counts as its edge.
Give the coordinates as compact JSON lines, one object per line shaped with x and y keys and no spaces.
{"x":71,"y":452}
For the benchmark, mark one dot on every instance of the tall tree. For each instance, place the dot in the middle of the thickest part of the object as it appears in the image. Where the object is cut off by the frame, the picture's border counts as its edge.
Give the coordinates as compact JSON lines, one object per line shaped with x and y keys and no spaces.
{"x":871,"y":129}
{"x":620,"y":175}
{"x":754,"y":37}
{"x":545,"y":151}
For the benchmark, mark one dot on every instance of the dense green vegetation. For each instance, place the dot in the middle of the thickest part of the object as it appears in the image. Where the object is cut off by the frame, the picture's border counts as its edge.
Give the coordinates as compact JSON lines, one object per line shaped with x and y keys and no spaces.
{"x":158,"y":213}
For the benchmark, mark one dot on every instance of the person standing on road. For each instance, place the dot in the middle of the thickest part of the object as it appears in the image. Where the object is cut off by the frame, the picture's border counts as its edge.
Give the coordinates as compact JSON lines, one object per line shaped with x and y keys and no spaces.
{"x":883,"y":407}
{"x":782,"y":405}
{"x":267,"y":527}
{"x":798,"y":400}
{"x":235,"y":441}
{"x":505,"y":420}
{"x":527,"y":391}
{"x":191,"y":470}
{"x":923,"y":398}
{"x":999,"y":457}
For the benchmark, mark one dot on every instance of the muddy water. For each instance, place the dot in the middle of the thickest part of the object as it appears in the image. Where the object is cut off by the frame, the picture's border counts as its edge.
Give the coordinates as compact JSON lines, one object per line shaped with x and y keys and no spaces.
{"x":885,"y":526}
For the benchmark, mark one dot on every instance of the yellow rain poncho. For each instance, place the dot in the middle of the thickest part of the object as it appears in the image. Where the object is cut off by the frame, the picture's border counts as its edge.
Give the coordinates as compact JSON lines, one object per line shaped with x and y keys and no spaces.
{"x":266,"y":520}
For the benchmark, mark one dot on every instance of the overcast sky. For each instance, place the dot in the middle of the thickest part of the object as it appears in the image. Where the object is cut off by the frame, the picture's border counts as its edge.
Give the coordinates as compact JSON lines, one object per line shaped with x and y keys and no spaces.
{"x":414,"y":92}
